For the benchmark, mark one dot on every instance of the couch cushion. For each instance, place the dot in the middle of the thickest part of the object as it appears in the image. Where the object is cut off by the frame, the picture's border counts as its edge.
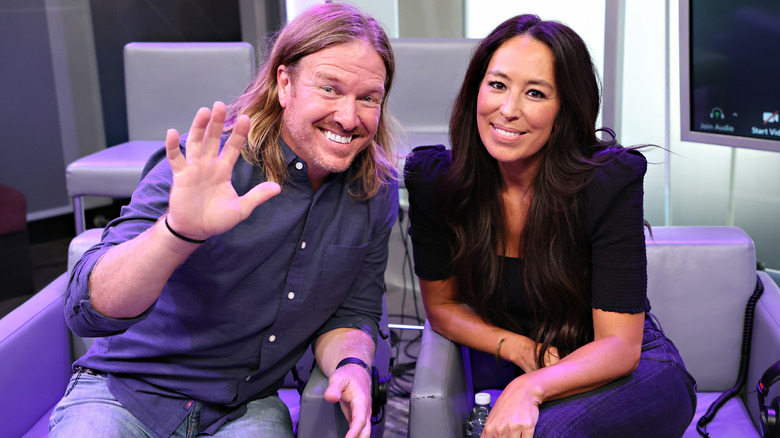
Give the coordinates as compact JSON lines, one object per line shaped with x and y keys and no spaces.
{"x":112,"y":172}
{"x":732,"y":419}
{"x":699,"y":282}
{"x":41,"y":428}
{"x":35,"y":364}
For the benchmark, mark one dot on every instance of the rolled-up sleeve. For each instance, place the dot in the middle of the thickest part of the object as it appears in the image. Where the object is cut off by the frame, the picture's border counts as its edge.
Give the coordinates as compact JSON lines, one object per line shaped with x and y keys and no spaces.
{"x":148,"y":203}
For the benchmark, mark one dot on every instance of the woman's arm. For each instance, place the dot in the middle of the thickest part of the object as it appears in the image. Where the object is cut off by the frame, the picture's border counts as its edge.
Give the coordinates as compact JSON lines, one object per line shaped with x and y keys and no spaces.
{"x":614,"y":353}
{"x":457,"y":322}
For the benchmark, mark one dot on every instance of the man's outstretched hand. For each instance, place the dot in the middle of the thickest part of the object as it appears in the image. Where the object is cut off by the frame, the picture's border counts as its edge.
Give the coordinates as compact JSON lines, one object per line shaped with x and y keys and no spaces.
{"x":203,"y":202}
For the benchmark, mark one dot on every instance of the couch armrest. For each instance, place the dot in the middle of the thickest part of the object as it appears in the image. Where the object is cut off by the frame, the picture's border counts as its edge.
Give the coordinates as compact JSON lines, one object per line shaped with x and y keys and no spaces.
{"x":36,"y":358}
{"x":765,"y":344}
{"x":318,"y":418}
{"x":439,"y":404}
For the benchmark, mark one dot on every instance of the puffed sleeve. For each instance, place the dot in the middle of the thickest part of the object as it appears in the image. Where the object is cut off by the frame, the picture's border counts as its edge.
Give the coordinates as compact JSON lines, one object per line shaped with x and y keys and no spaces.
{"x":614,"y":223}
{"x":430,"y":236}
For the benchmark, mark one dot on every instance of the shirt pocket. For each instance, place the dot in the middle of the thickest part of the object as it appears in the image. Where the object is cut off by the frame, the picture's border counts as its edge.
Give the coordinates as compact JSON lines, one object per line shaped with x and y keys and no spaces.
{"x":340,"y":267}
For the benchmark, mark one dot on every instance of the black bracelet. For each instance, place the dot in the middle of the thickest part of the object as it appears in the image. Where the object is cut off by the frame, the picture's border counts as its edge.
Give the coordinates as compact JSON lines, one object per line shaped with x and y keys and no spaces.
{"x":184,"y":238}
{"x":356,"y":361}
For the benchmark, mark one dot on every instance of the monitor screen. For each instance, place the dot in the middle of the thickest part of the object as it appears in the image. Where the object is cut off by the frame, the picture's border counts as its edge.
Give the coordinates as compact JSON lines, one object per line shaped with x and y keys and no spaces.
{"x":730,"y":72}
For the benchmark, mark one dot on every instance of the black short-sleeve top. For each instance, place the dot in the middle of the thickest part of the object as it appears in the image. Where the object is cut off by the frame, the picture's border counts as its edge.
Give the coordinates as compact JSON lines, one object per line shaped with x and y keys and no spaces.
{"x":613,"y":221}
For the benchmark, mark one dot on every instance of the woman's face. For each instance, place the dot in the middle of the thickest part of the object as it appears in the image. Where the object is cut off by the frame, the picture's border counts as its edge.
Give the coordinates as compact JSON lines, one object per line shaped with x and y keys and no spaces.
{"x":518,"y":102}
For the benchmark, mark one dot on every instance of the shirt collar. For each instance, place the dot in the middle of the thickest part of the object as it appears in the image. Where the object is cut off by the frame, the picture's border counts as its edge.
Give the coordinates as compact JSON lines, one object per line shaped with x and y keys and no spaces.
{"x":290,"y":157}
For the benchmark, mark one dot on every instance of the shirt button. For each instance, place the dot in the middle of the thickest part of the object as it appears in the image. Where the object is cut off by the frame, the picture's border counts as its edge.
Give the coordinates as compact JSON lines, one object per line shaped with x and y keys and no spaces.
{"x":303,"y":245}
{"x":299,"y":165}
{"x":248,"y":378}
{"x":291,"y":295}
{"x":272,"y":338}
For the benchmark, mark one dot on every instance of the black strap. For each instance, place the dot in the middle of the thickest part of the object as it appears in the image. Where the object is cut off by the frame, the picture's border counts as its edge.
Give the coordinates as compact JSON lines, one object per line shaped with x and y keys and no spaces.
{"x":356,"y":361}
{"x":182,"y":237}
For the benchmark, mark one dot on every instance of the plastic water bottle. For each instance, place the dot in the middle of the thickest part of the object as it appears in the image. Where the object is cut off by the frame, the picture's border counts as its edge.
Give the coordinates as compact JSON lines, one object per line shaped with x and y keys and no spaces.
{"x":478,"y":415}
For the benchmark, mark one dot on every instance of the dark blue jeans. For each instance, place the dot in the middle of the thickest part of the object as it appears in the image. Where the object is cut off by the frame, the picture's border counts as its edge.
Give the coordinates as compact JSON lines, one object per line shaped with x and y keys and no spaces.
{"x":657,"y":400}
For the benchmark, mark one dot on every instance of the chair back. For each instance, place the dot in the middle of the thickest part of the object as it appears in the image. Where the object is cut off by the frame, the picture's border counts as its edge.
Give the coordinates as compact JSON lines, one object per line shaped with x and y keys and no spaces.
{"x":699,"y":280}
{"x":166,"y":83}
{"x":428,"y":75}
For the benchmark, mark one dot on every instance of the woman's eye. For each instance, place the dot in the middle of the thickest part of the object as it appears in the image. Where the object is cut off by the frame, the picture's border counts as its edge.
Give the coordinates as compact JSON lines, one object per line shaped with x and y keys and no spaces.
{"x":536,"y":93}
{"x":496,"y":85}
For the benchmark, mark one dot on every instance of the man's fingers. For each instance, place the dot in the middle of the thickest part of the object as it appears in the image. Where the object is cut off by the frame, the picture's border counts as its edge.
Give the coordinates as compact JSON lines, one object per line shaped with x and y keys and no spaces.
{"x":259,"y":194}
{"x":359,"y":423}
{"x":357,"y":410}
{"x":216,"y":125}
{"x":333,"y":391}
{"x":197,"y":131}
{"x":236,"y":141}
{"x":172,"y":151}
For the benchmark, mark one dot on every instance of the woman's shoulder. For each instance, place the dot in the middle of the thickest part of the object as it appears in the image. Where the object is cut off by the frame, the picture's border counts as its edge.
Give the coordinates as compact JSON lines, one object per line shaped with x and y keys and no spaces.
{"x":620,"y":166}
{"x":426,"y":163}
{"x":618,"y":181}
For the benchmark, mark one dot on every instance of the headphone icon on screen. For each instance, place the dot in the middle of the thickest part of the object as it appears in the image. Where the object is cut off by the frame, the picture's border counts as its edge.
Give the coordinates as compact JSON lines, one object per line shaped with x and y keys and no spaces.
{"x":770,"y":426}
{"x":717,"y":113}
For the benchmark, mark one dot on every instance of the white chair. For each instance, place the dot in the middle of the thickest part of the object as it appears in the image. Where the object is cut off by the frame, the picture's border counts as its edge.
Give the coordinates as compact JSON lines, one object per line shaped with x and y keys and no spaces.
{"x":428,"y":75}
{"x":165,"y":84}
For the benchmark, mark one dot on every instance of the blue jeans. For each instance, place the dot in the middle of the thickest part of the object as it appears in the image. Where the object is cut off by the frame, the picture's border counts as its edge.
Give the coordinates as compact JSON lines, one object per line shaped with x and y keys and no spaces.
{"x":89,"y":410}
{"x":657,"y":400}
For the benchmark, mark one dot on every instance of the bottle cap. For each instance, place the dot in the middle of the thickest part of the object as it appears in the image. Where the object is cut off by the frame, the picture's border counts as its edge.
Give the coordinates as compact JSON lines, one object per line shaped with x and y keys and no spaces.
{"x":482,"y":398}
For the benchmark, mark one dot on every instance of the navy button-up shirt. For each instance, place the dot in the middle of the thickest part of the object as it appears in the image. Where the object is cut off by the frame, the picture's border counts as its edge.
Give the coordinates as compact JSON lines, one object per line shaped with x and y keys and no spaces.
{"x":240,"y":312}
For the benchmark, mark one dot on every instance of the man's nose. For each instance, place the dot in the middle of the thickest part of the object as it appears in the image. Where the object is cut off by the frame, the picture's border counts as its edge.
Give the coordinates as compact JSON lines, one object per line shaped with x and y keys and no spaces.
{"x":346,"y":114}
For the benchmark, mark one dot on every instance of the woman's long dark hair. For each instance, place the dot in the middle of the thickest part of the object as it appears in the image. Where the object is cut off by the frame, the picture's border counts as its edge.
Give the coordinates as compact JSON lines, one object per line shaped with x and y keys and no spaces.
{"x":555,"y":265}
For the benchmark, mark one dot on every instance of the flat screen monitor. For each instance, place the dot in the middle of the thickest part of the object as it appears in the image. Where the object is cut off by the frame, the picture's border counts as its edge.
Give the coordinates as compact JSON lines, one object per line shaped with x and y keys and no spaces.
{"x":730,"y":72}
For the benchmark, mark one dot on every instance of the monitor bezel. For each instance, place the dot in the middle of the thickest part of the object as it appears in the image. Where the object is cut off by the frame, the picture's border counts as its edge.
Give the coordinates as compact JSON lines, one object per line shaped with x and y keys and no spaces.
{"x":688,"y":134}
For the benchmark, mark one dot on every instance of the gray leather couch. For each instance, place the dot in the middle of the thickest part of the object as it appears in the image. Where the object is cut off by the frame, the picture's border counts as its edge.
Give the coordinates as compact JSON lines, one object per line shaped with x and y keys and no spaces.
{"x":699,"y":283}
{"x":37,"y":350}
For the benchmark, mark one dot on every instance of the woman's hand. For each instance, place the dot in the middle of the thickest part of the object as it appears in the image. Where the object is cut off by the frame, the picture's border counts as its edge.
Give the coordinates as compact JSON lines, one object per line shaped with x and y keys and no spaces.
{"x":203,"y":201}
{"x":516,"y":411}
{"x":522,"y":351}
{"x":614,"y":353}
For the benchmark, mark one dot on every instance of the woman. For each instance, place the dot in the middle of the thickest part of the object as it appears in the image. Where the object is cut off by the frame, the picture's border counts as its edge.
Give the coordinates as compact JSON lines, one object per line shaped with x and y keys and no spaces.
{"x":529,"y":244}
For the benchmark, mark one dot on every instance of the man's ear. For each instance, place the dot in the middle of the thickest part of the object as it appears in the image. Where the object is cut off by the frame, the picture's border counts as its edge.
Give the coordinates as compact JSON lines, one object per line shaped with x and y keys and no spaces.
{"x":283,"y":85}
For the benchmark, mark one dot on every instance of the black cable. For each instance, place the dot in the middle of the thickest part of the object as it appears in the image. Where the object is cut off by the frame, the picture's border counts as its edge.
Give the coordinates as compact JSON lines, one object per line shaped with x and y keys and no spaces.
{"x":403,"y":373}
{"x":408,"y":263}
{"x":747,"y":333}
{"x":407,"y":272}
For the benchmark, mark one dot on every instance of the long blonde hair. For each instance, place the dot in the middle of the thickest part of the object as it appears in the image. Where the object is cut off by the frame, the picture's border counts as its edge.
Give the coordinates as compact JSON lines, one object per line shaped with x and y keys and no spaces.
{"x":316,"y":29}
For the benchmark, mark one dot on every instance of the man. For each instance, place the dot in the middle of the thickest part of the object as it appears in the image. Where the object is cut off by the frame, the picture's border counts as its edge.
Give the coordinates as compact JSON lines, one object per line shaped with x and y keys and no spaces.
{"x":203,"y":298}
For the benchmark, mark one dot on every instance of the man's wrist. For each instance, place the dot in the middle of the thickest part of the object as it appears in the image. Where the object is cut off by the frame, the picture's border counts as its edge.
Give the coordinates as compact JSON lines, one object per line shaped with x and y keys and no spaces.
{"x":356,"y":361}
{"x":180,"y":236}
